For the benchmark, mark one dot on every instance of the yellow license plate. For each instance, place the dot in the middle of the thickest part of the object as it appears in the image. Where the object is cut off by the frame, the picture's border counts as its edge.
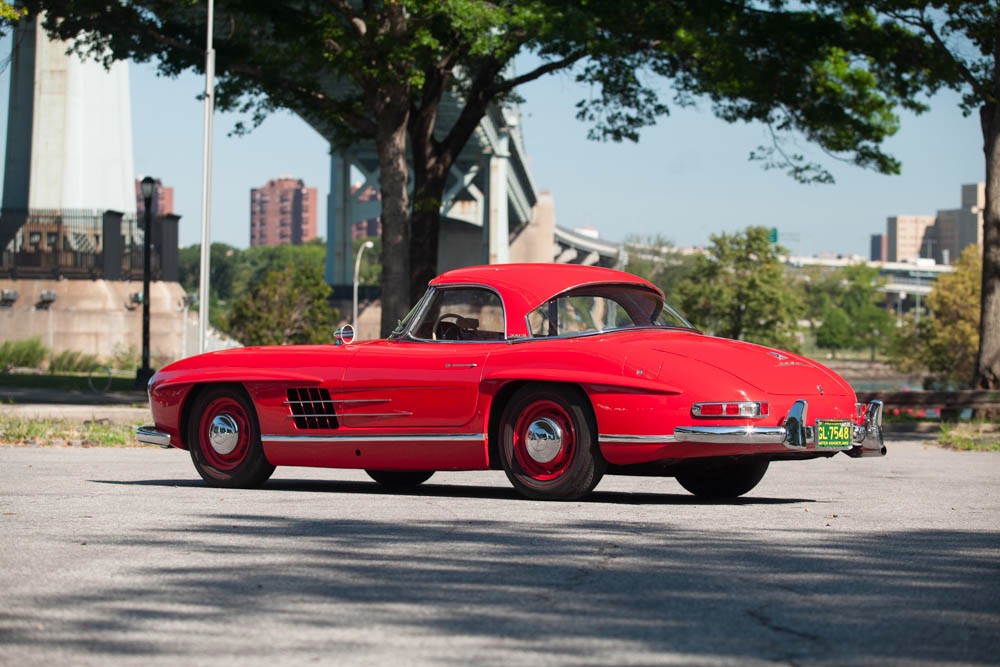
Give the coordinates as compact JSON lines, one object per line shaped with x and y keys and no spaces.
{"x":834,"y":434}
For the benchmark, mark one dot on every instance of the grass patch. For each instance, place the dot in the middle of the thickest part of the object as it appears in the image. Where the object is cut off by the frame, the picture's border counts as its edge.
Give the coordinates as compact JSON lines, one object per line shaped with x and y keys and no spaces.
{"x":54,"y":432}
{"x":971,"y":436}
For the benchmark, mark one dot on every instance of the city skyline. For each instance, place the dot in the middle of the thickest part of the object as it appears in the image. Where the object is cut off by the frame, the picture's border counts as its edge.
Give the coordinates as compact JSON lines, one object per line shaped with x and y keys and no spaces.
{"x":687,"y":178}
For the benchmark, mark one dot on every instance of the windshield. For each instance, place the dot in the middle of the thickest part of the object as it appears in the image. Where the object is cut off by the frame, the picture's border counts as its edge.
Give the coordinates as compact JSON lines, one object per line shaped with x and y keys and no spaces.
{"x":602,"y":308}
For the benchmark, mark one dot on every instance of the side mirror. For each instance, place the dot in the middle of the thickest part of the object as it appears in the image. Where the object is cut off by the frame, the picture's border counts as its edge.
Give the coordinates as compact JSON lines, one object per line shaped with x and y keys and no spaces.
{"x":344,"y":335}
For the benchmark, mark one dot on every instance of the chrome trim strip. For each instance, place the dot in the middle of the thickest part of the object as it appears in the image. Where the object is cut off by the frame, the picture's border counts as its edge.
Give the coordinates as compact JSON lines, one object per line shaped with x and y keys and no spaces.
{"x":624,"y":439}
{"x":343,"y":439}
{"x":345,"y":415}
{"x":148,"y":435}
{"x":341,"y":401}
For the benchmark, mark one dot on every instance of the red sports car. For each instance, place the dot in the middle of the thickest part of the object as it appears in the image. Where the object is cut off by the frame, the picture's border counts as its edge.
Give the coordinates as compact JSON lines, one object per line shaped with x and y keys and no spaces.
{"x":557,"y":374}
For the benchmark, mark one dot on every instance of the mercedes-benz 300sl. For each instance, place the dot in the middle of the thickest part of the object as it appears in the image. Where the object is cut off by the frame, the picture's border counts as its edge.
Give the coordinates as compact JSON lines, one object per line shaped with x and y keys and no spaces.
{"x":555,"y":374}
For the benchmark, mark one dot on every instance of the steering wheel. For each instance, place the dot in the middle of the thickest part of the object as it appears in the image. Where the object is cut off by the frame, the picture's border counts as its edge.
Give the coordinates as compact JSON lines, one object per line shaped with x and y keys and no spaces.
{"x":447,"y":330}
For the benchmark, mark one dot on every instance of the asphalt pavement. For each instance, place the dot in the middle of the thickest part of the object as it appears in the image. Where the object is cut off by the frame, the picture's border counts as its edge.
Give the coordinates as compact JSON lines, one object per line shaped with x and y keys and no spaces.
{"x":125,"y":557}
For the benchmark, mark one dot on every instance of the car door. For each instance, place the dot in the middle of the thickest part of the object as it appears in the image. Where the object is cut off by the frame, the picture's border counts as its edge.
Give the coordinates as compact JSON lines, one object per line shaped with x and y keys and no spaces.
{"x":432,"y":378}
{"x":413,"y":384}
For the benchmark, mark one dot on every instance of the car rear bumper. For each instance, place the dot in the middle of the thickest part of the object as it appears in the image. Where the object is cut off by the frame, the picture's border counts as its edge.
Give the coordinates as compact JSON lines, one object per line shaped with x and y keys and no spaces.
{"x":794,"y":433}
{"x":148,"y":435}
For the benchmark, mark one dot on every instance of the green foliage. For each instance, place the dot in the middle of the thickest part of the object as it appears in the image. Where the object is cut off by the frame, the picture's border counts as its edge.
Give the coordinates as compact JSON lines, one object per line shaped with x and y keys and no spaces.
{"x":850,"y":307}
{"x":28,"y":353}
{"x":946,"y":342}
{"x":835,"y":331}
{"x":974,"y":436}
{"x":288,"y":306}
{"x":740,"y":290}
{"x":235,"y":272}
{"x":74,"y":361}
{"x":9,"y":15}
{"x":126,"y":358}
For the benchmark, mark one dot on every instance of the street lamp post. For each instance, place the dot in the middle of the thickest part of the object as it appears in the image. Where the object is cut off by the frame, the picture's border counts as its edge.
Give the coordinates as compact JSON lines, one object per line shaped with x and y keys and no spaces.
{"x":148,"y":187}
{"x":367,"y":245}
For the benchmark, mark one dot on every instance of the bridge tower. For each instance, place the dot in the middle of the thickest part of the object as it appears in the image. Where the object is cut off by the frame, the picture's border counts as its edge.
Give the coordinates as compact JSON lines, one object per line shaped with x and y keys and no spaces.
{"x":69,"y":132}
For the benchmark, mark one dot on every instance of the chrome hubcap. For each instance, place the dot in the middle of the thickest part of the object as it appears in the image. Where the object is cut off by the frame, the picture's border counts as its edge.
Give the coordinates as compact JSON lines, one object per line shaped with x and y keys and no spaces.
{"x":224,"y":434}
{"x":543,"y":440}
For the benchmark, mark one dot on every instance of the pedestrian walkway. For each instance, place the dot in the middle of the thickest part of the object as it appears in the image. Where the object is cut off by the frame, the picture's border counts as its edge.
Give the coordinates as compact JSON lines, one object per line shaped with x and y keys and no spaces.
{"x":119,"y":407}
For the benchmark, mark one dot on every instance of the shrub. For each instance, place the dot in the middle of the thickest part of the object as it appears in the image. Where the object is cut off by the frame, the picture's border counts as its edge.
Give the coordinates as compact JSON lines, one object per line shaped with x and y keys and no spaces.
{"x":73,"y":361}
{"x":27,"y":353}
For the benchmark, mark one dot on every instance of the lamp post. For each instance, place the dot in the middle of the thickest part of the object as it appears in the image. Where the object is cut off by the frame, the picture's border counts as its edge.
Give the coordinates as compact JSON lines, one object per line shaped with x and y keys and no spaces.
{"x":357,"y":268}
{"x":148,"y":187}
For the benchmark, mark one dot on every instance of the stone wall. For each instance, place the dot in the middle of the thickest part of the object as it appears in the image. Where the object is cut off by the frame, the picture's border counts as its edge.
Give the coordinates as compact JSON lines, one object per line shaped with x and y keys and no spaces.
{"x":98,"y":317}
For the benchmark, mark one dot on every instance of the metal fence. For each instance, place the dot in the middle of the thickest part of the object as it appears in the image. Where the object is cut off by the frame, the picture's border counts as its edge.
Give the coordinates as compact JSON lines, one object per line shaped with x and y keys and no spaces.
{"x":74,"y":244}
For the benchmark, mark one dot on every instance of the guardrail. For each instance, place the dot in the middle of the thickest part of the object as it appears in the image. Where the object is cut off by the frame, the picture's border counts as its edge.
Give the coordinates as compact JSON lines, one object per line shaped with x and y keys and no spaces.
{"x":950,"y":403}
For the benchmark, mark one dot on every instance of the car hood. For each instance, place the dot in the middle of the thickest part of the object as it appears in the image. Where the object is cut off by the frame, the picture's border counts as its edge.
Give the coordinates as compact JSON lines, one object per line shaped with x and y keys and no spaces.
{"x":688,"y":354}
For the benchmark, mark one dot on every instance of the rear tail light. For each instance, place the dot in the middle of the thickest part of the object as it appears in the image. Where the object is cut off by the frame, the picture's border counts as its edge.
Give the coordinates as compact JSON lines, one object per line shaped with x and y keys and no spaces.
{"x":736,"y":410}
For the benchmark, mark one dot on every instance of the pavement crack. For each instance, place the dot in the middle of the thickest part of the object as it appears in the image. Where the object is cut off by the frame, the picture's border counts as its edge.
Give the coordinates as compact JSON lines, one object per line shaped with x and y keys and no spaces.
{"x":766,"y":621}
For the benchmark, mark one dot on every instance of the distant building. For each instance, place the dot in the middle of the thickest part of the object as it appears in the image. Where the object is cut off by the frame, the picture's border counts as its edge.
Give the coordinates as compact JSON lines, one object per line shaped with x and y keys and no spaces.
{"x":907,"y":237}
{"x":163,"y":201}
{"x":941,"y":237}
{"x":879,"y":248}
{"x":970,"y":218}
{"x":282,"y":212}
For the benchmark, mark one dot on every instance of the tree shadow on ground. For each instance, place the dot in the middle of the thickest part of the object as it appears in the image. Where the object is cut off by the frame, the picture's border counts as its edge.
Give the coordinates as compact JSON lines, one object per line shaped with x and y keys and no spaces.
{"x":521,"y":590}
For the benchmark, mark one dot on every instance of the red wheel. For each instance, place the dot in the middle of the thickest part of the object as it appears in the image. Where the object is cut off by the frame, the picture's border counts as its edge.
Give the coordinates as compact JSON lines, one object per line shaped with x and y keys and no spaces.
{"x":548,"y":443}
{"x":224,"y":439}
{"x":544,"y":440}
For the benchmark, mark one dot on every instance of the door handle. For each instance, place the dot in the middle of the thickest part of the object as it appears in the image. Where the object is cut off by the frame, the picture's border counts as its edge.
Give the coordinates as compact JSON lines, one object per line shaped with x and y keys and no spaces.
{"x":460,"y":365}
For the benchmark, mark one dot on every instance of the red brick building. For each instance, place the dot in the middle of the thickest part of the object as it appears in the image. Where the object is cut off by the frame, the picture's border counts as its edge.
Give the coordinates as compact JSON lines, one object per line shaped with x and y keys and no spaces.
{"x":163,"y":200}
{"x":282,"y":212}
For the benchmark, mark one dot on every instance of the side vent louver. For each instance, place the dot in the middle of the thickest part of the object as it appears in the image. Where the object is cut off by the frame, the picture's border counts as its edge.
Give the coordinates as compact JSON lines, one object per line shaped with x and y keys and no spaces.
{"x":312,"y":408}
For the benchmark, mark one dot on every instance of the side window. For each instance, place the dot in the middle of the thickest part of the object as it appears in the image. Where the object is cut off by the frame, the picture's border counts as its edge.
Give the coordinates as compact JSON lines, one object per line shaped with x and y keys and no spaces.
{"x":572,"y":314}
{"x":462,"y":314}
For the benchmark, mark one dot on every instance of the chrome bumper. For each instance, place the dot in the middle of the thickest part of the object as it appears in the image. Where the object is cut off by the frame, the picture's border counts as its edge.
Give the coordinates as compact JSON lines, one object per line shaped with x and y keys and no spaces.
{"x":793,"y":433}
{"x":148,"y":435}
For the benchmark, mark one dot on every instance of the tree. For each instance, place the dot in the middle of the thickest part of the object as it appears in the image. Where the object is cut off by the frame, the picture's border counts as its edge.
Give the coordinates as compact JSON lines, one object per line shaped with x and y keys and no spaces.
{"x":834,"y":333}
{"x":235,"y":272}
{"x":946,"y":342}
{"x":380,"y":70}
{"x":961,"y":44}
{"x":289,"y":306}
{"x":862,"y":302}
{"x":739,"y":290}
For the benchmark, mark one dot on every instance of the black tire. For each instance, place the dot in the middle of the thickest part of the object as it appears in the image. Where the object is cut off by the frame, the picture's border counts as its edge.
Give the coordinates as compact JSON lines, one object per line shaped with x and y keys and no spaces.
{"x":722,"y":479}
{"x":400,"y":479}
{"x":223,"y":435}
{"x":560,"y":460}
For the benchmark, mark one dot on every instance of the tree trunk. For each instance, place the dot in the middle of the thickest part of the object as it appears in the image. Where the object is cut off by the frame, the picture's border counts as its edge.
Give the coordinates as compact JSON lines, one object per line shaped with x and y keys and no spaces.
{"x":425,"y":227}
{"x":428,"y":190}
{"x":390,"y":141}
{"x":988,"y":361}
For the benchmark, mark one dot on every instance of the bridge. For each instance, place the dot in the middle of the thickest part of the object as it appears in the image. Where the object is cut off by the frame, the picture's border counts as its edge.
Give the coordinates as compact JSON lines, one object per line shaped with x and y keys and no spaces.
{"x":491,"y":212}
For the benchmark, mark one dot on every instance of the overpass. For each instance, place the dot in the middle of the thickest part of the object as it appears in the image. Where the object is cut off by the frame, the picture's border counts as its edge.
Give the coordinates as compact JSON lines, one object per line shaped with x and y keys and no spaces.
{"x":914,"y":278}
{"x":490,"y":211}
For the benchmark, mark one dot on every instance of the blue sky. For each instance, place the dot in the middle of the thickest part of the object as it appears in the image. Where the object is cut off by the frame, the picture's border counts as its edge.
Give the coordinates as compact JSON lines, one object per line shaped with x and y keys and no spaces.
{"x":686,"y":179}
